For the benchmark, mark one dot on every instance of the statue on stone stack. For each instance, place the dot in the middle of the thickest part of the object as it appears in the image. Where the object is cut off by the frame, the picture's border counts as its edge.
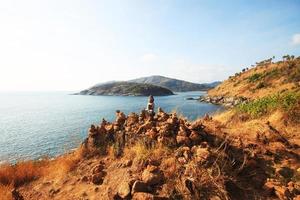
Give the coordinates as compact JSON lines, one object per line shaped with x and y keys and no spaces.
{"x":150,"y":106}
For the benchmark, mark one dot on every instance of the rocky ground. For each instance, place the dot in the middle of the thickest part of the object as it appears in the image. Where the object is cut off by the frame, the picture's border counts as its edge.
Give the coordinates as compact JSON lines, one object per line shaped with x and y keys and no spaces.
{"x":167,"y":157}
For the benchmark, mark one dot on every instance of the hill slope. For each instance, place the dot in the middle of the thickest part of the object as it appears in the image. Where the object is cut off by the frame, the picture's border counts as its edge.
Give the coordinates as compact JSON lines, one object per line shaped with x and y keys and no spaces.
{"x":124,"y":88}
{"x":263,"y":80}
{"x":174,"y":84}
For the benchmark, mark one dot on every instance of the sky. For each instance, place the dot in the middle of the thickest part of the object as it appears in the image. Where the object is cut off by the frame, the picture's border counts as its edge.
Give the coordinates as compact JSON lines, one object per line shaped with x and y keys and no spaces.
{"x":70,"y":45}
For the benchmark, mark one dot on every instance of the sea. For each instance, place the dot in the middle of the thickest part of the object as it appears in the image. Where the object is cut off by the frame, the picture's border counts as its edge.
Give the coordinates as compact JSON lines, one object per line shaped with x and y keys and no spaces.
{"x":34,"y":125}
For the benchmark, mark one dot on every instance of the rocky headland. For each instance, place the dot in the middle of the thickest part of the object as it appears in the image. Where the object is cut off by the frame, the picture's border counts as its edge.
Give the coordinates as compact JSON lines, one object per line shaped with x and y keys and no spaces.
{"x":249,"y":151}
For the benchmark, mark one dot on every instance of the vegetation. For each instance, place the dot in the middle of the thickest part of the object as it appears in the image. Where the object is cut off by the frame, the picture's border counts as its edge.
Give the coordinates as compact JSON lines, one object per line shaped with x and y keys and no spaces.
{"x":286,"y":102}
{"x":255,"y":77}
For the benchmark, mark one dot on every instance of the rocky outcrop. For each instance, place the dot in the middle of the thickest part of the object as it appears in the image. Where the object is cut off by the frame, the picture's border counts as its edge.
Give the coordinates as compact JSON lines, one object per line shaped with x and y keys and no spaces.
{"x":222,"y":100}
{"x":165,"y":129}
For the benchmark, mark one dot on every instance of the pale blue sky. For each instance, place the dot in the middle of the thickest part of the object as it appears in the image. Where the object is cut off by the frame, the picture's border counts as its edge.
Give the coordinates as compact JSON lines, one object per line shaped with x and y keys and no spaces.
{"x":71,"y":44}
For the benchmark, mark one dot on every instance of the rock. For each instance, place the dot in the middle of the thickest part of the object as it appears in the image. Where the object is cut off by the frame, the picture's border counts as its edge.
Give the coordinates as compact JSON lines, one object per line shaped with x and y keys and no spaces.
{"x":152,"y":133}
{"x":142,"y":196}
{"x":16,"y":195}
{"x":166,"y":141}
{"x":286,"y":172}
{"x":152,"y":175}
{"x":166,"y":129}
{"x":195,"y":137}
{"x":182,"y":160}
{"x":201,"y":154}
{"x":84,"y":179}
{"x":132,"y":119}
{"x":127,"y":163}
{"x":53,"y":191}
{"x":97,"y":169}
{"x":183,"y":140}
{"x":124,"y":190}
{"x":196,"y":125}
{"x":282,"y":192}
{"x":269,"y":188}
{"x":98,"y":178}
{"x":139,"y":186}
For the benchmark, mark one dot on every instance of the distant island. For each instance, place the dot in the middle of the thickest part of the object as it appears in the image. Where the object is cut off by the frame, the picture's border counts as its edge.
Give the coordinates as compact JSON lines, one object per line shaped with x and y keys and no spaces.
{"x":176,"y":85}
{"x":125,"y":88}
{"x":154,"y":85}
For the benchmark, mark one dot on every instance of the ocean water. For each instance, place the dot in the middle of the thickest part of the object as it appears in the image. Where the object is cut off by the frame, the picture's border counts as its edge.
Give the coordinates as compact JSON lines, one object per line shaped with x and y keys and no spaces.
{"x":33,"y":125}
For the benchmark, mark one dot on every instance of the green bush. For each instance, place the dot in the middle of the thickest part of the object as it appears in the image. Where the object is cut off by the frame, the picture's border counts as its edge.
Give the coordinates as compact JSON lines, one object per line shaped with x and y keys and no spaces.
{"x":286,"y":102}
{"x":255,"y":77}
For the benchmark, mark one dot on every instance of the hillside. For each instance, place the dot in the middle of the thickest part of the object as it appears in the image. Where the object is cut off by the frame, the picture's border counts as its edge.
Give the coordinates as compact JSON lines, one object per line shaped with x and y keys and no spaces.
{"x":264,"y":79}
{"x":174,"y":84}
{"x":123,"y":88}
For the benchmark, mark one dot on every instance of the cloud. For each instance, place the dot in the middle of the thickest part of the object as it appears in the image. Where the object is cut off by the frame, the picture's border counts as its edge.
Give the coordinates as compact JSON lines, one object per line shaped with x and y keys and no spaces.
{"x":296,"y":39}
{"x":149,"y":57}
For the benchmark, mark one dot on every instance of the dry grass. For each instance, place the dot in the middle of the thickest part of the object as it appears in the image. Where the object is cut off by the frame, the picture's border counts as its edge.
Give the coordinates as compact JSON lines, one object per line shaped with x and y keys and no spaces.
{"x":5,"y":192}
{"x":170,"y":167}
{"x":22,"y":172}
{"x":66,"y":163}
{"x":142,"y":151}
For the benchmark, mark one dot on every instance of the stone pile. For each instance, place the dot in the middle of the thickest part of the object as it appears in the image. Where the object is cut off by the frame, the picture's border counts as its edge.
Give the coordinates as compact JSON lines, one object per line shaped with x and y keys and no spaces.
{"x":165,"y":129}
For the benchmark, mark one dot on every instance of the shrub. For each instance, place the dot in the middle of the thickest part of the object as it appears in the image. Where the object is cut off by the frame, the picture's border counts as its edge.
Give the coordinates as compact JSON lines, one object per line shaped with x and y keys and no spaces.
{"x":255,"y":77}
{"x":287,"y":102}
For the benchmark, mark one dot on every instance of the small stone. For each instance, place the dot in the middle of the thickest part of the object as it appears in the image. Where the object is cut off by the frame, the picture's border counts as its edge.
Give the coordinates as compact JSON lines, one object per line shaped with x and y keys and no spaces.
{"x":84,"y":179}
{"x":152,"y":176}
{"x":127,"y":163}
{"x":139,"y":186}
{"x":98,"y":178}
{"x":182,"y":160}
{"x":142,"y":196}
{"x":182,"y":140}
{"x":286,"y":172}
{"x":97,"y":169}
{"x":16,"y":195}
{"x":124,"y":190}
